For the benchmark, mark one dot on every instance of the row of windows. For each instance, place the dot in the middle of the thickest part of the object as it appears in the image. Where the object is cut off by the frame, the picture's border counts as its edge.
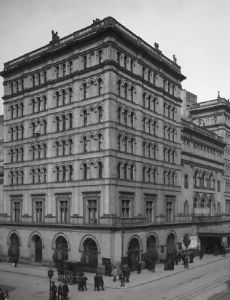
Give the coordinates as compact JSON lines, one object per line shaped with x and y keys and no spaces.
{"x":125,"y":61}
{"x":169,"y":155}
{"x":16,"y":110}
{"x":169,"y":111}
{"x":64,"y":69}
{"x":200,"y":182}
{"x":63,"y":97}
{"x":149,"y":75}
{"x":87,"y":58}
{"x":17,"y":86}
{"x":39,"y":78}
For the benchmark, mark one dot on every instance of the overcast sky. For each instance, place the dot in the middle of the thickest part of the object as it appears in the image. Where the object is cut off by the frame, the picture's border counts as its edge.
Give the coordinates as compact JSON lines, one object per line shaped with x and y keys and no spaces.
{"x":196,"y":31}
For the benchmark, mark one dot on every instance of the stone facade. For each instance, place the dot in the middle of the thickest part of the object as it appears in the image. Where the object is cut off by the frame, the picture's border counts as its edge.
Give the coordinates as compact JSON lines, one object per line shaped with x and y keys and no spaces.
{"x":92,"y":150}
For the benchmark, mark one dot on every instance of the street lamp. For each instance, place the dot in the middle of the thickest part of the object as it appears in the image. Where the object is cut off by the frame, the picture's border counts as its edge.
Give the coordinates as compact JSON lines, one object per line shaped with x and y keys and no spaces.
{"x":50,"y":275}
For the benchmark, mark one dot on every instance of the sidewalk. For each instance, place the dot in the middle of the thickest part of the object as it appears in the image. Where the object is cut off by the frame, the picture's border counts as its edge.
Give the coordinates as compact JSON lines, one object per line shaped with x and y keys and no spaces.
{"x":135,"y":279}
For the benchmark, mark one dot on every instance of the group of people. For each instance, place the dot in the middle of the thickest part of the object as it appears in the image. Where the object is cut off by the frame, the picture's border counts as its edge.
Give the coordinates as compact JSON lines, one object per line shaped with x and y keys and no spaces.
{"x":4,"y":295}
{"x":81,"y":282}
{"x":59,"y":293}
{"x":98,"y":282}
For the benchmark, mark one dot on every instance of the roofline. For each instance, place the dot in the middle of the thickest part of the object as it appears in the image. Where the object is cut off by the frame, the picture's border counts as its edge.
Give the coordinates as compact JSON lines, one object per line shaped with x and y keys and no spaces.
{"x":96,"y":28}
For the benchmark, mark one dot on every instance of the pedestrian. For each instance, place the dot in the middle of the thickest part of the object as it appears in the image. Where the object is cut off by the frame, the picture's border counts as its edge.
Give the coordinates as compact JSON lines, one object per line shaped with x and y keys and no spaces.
{"x":179,"y":256}
{"x":15,"y":261}
{"x":191,"y":257}
{"x":186,"y":262}
{"x":215,"y":250}
{"x":138,"y":267}
{"x":96,"y":282}
{"x":7,"y":294}
{"x":84,"y":282}
{"x":110,"y":268}
{"x":59,"y":291}
{"x":100,"y":282}
{"x":65,"y":291}
{"x":2,"y":296}
{"x":53,"y":291}
{"x":122,"y":279}
{"x":114,"y":273}
{"x":80,"y":282}
{"x":223,"y":250}
{"x":201,"y":253}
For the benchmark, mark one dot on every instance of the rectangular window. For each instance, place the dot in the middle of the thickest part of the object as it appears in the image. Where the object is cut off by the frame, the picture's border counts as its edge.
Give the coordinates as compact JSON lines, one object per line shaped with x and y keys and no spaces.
{"x":126,"y":204}
{"x":150,"y":201}
{"x":91,"y":201}
{"x":38,"y":211}
{"x":227,"y":207}
{"x":63,"y":208}
{"x":125,"y":208}
{"x":169,"y":205}
{"x":92,"y":211}
{"x":186,"y":181}
{"x":16,"y":205}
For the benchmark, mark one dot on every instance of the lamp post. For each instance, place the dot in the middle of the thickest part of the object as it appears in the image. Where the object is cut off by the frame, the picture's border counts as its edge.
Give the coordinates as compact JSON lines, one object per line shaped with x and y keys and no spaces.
{"x":50,"y":275}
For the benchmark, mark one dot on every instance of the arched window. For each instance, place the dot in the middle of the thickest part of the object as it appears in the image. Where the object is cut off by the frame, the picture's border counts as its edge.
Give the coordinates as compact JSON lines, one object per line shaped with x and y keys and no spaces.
{"x":44,"y":175}
{"x":85,"y":120}
{"x":186,"y":208}
{"x":125,"y":143}
{"x":131,"y":65}
{"x":125,"y":90}
{"x":45,"y":76}
{"x":16,"y":154}
{"x":44,"y":150}
{"x":99,"y":56}
{"x":119,"y":142}
{"x":57,"y":98}
{"x":70,"y":66}
{"x":119,"y":170}
{"x":11,"y":177}
{"x":125,"y":61}
{"x":57,"y":123}
{"x":119,"y":87}
{"x":149,"y":174}
{"x":63,"y":122}
{"x":17,"y":132}
{"x":118,"y":57}
{"x":132,"y":146}
{"x":58,"y":173}
{"x":33,"y":175}
{"x":143,"y":99}
{"x":119,"y":114}
{"x":85,"y":171}
{"x":132,"y":172}
{"x":143,"y":149}
{"x":70,"y":146}
{"x":149,"y":102}
{"x":39,"y":151}
{"x":44,"y":102}
{"x":126,"y":117}
{"x":132,"y":93}
{"x":99,"y":84}
{"x":99,"y":114}
{"x":63,"y":147}
{"x":84,"y":90}
{"x":16,"y":109}
{"x":100,"y":169}
{"x":84,"y":144}
{"x":132,"y":119}
{"x":70,"y":94}
{"x":12,"y":111}
{"x":63,"y":69}
{"x":143,"y":173}
{"x":70,"y":120}
{"x":39,"y":78}
{"x":22,"y":177}
{"x":63,"y":97}
{"x":125,"y":171}
{"x":63,"y":173}
{"x":39,"y":104}
{"x":85,"y":62}
{"x":44,"y":126}
{"x":70,"y":172}
{"x":143,"y":123}
{"x":99,"y":141}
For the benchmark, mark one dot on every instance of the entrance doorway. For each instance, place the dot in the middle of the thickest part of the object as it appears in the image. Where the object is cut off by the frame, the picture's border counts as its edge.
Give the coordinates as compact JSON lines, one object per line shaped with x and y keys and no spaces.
{"x":13,"y":250}
{"x":90,"y":253}
{"x":208,"y":243}
{"x":171,"y":244}
{"x":133,"y":253}
{"x":37,"y":248}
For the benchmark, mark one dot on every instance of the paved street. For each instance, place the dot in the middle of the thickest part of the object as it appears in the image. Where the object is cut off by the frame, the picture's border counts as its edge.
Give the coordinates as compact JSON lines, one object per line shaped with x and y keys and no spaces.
{"x":206,"y":279}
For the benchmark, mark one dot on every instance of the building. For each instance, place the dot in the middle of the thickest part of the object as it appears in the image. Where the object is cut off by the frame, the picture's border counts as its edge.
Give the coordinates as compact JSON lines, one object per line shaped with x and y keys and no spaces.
{"x":92,"y":150}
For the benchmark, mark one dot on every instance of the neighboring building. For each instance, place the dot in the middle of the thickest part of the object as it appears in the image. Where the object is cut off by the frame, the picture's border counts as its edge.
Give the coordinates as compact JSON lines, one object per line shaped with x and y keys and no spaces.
{"x":189,"y":100}
{"x":92,"y":150}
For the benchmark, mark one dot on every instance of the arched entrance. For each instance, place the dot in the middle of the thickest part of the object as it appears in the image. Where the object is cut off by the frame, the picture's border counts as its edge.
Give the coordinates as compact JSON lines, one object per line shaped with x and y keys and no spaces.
{"x":37,"y":248}
{"x":133,"y":253}
{"x":90,"y":253}
{"x":151,"y":244}
{"x":61,"y":250}
{"x":13,"y":250}
{"x":171,"y":244}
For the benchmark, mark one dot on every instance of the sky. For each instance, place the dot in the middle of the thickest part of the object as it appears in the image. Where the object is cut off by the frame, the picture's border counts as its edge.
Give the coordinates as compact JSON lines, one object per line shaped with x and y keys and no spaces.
{"x":196,"y":31}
